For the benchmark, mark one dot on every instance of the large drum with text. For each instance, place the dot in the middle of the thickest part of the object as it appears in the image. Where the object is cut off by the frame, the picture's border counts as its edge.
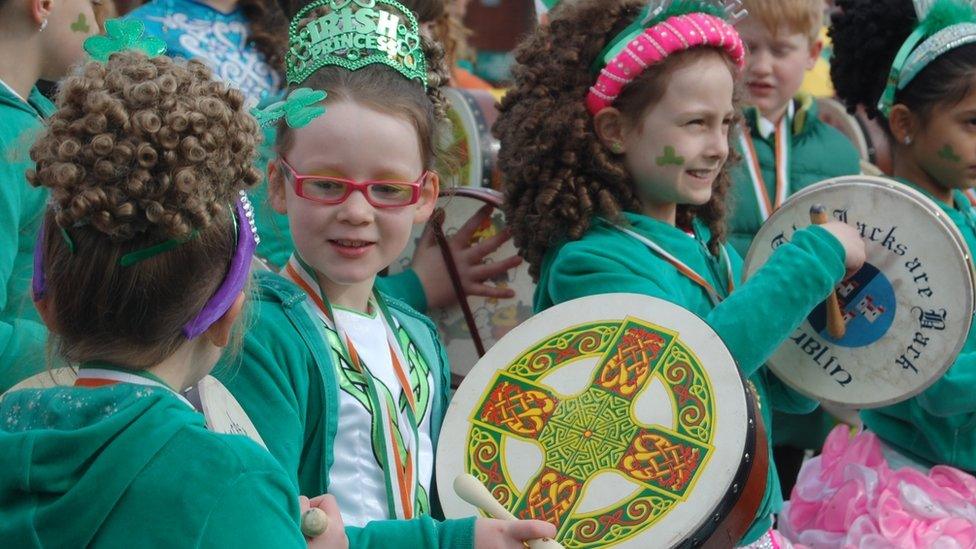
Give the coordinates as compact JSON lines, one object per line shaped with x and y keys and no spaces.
{"x":476,"y":323}
{"x":906,"y":313}
{"x":620,"y":418}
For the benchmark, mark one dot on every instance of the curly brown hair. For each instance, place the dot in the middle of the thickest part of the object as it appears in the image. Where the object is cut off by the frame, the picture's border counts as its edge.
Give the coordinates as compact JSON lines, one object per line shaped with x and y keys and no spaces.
{"x":139,"y":151}
{"x":268,"y":28}
{"x":558,"y":174}
{"x":385,"y":90}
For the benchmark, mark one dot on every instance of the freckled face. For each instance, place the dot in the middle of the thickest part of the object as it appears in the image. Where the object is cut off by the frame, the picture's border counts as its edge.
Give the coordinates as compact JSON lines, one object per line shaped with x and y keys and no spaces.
{"x":350,"y":242}
{"x":678,"y":148}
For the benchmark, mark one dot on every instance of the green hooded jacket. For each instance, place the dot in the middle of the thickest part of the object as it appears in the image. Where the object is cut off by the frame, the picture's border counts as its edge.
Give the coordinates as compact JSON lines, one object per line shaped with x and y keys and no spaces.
{"x":753,"y":320}
{"x":286,"y":382}
{"x":133,"y":466}
{"x":22,"y":335}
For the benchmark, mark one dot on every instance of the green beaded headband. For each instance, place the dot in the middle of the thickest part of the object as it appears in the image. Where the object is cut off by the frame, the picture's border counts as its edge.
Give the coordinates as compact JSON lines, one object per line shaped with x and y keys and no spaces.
{"x":353,"y":35}
{"x":944,"y":25}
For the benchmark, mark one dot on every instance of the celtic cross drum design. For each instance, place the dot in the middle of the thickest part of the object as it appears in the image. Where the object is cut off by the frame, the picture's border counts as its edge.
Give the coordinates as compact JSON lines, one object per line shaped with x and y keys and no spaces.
{"x":595,"y":431}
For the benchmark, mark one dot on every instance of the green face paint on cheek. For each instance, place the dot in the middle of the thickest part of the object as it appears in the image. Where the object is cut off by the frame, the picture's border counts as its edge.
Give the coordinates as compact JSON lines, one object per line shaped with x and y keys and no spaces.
{"x":948,"y":153}
{"x":670,"y":158}
{"x":81,"y":25}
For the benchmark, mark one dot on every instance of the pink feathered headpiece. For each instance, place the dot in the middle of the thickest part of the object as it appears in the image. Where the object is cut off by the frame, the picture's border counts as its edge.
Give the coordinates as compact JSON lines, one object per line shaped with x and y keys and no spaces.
{"x":655,"y":44}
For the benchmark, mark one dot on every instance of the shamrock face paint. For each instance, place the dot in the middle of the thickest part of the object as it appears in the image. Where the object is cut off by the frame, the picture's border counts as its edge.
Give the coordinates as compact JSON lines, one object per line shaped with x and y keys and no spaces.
{"x":81,"y":25}
{"x":669,"y":158}
{"x":676,"y":150}
{"x":947,"y":153}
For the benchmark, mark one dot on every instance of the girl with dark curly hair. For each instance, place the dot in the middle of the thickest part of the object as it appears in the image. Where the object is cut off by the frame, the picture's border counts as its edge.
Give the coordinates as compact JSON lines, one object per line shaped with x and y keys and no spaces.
{"x":615,"y":149}
{"x":911,"y":65}
{"x":140,"y":273}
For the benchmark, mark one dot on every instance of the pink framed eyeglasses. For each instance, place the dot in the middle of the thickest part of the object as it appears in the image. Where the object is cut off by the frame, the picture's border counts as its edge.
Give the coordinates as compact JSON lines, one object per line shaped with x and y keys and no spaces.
{"x":335,"y":190}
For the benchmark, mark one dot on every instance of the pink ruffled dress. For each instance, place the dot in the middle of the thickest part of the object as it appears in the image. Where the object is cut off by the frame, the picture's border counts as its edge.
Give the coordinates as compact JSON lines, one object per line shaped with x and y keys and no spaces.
{"x":851,"y":497}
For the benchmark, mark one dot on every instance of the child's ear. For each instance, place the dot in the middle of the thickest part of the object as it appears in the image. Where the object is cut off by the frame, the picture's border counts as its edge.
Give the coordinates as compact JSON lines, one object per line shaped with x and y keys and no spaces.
{"x":609,"y":126}
{"x":903,"y":124}
{"x":428,"y":197}
{"x":220,"y":331}
{"x":41,"y":10}
{"x":45,"y":308}
{"x":816,"y":48}
{"x":276,"y":187}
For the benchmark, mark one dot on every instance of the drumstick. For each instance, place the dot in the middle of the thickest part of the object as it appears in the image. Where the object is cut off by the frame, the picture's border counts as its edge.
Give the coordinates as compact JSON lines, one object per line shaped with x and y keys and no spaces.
{"x":314,"y":522}
{"x":475,"y":493}
{"x":436,"y":224}
{"x":835,"y":319}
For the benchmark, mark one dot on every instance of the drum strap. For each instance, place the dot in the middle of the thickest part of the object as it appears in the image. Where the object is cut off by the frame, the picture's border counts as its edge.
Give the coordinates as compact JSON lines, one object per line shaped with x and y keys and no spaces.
{"x":101,"y":374}
{"x":684,"y":269}
{"x":781,"y":140}
{"x":397,"y":453}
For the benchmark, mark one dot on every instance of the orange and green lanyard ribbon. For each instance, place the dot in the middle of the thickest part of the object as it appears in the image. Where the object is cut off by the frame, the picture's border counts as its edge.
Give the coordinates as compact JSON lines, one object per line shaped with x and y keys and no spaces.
{"x":687,"y":271}
{"x":398,"y":457}
{"x":781,"y":142}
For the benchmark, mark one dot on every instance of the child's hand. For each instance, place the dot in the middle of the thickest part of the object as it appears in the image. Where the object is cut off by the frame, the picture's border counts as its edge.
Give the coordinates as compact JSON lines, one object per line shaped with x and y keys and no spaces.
{"x":509,"y":534}
{"x":852,"y":242}
{"x":335,"y":536}
{"x":428,"y":263}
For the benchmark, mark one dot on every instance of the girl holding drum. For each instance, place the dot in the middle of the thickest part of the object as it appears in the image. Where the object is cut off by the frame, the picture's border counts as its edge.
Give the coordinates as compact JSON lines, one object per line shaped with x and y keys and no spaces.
{"x":140,"y":271}
{"x":910,"y":65}
{"x":615,"y":144}
{"x":347,"y":386}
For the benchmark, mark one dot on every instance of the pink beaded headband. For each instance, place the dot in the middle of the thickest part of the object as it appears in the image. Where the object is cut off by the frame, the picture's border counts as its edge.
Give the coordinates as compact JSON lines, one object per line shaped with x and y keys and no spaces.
{"x":653,"y":45}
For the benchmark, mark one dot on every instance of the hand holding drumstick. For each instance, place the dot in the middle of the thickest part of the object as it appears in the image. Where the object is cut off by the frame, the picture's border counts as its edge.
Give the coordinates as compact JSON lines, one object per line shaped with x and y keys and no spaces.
{"x":507,"y":531}
{"x":854,"y":256}
{"x":322,"y":523}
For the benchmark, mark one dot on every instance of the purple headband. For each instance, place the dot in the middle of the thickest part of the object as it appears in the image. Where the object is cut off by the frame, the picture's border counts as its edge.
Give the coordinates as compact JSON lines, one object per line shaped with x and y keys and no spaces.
{"x":220,"y":302}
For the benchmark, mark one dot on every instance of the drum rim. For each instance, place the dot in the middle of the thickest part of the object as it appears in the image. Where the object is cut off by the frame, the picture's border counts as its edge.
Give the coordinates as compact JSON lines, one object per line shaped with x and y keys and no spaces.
{"x":485,"y":194}
{"x":710,"y":521}
{"x":836,"y":107}
{"x":480,"y":155}
{"x":926,"y":204}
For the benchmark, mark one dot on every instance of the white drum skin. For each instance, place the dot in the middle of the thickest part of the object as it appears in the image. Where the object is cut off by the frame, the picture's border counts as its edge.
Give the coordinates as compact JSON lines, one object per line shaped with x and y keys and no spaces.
{"x":907,"y":312}
{"x":556,"y":412}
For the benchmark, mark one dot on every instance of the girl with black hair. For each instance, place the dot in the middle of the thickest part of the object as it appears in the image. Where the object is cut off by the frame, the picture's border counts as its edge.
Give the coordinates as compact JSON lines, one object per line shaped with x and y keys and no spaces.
{"x":912,"y":65}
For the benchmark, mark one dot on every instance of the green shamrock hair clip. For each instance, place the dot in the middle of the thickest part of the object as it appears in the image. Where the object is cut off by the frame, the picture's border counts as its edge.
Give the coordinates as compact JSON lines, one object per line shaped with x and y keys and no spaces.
{"x":121,"y":35}
{"x":301,"y":107}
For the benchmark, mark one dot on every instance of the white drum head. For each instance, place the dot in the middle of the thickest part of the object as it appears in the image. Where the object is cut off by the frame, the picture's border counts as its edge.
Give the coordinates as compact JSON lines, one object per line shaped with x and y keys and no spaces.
{"x":907,"y":312}
{"x":620,"y":418}
{"x":55,"y":377}
{"x":470,"y":141}
{"x":224,"y":414}
{"x":493,"y":317}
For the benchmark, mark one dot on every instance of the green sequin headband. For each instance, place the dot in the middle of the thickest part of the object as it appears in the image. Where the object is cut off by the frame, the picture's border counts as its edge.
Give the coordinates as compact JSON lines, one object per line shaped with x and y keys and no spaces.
{"x":353,"y":35}
{"x":944,"y":25}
